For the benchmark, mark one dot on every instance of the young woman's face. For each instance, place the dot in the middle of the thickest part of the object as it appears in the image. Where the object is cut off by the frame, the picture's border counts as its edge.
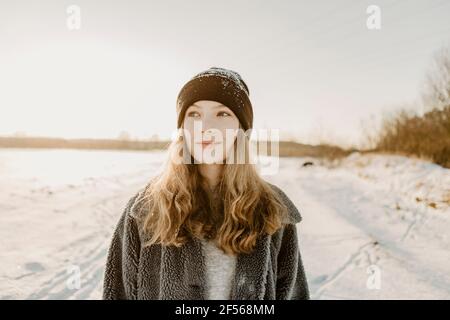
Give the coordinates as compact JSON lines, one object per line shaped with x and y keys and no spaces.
{"x":212,"y":129}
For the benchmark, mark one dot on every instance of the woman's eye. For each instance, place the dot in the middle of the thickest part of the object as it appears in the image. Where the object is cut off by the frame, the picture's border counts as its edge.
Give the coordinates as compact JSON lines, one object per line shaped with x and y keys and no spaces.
{"x":224,"y":113}
{"x":193,"y":114}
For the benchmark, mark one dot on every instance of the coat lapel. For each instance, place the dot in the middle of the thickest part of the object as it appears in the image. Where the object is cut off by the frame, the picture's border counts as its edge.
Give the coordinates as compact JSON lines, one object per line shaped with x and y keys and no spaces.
{"x":251,"y":272}
{"x":182,"y":272}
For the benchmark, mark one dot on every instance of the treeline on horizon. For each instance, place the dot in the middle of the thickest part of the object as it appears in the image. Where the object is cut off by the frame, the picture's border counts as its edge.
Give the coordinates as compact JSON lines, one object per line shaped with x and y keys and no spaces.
{"x":286,"y":148}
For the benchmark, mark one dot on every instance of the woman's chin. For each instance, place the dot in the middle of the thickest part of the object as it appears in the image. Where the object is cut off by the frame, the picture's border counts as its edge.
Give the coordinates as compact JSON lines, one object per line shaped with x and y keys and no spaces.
{"x":208,"y":159}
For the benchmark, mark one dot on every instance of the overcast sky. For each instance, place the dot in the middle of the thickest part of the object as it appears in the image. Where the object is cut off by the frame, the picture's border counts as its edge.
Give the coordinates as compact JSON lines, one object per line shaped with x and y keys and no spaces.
{"x":314,"y":69}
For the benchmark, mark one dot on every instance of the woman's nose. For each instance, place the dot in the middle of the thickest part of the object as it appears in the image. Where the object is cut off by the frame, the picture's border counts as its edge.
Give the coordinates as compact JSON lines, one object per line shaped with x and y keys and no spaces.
{"x":208,"y":126}
{"x":208,"y":132}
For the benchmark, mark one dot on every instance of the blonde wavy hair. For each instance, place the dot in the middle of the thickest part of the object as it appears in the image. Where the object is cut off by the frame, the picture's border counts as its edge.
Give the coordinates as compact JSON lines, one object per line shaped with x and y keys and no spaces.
{"x":178,"y":206}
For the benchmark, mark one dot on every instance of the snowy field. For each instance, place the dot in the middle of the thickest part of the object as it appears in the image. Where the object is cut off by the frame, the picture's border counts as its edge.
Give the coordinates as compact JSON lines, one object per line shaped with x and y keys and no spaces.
{"x":374,"y":226}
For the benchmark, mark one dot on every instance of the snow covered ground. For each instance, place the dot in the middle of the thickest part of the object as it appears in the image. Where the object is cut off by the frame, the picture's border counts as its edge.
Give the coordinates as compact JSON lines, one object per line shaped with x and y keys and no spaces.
{"x":374,"y":226}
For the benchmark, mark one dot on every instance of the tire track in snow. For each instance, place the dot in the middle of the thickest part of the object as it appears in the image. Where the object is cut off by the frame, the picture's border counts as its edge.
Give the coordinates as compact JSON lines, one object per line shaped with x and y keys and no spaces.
{"x":391,"y":243}
{"x":344,"y":267}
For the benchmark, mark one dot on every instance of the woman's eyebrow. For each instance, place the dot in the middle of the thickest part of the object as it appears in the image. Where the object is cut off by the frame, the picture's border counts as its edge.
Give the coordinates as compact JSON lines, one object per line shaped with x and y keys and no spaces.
{"x":216,"y":106}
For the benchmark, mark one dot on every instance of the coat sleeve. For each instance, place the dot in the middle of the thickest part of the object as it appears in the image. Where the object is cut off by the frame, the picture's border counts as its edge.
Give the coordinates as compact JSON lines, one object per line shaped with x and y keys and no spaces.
{"x":120,"y":277}
{"x":291,"y":281}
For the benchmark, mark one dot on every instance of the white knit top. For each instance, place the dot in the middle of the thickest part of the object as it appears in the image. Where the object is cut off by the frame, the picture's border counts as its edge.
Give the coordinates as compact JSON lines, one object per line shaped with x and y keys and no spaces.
{"x":220,"y":268}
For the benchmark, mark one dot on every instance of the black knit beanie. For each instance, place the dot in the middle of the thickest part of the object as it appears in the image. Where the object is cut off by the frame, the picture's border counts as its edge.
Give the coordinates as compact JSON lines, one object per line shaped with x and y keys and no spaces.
{"x":221,"y":85}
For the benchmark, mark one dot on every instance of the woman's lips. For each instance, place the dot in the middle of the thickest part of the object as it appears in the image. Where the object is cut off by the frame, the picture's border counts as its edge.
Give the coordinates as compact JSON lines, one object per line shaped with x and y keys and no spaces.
{"x":206,"y":143}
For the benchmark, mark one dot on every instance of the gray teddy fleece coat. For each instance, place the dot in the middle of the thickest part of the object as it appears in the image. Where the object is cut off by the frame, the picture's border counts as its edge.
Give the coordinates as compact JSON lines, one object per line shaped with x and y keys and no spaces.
{"x":273,"y":271}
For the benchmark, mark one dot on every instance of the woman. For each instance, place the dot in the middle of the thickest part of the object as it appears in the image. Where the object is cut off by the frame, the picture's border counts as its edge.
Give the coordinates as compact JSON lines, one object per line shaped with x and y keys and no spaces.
{"x":208,"y":226}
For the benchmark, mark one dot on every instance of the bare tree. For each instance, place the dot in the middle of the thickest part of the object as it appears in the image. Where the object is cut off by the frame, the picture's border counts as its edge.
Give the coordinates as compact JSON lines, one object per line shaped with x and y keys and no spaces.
{"x":436,"y":93}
